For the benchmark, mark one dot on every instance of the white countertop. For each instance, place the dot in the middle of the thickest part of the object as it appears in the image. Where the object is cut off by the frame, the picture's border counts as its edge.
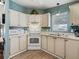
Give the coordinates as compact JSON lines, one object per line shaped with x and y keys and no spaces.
{"x":70,"y":36}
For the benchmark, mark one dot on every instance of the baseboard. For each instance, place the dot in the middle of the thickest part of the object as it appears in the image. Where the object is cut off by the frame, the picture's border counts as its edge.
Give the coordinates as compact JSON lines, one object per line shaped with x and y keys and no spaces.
{"x":52,"y":54}
{"x":17,"y":53}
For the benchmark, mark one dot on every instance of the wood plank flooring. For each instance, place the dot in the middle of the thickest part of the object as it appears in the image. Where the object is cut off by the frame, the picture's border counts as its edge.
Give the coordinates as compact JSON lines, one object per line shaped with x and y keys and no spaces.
{"x":1,"y":54}
{"x":38,"y":54}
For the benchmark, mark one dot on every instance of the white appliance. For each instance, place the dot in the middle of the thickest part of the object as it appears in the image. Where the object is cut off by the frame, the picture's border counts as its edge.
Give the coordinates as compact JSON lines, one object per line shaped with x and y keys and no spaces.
{"x":34,"y":37}
{"x":34,"y":41}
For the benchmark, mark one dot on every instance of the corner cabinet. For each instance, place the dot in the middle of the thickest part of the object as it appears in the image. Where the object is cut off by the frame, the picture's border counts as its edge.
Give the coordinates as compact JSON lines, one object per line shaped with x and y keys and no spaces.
{"x":74,"y":14}
{"x":45,"y":22}
{"x":72,"y":49}
{"x":14,"y":19}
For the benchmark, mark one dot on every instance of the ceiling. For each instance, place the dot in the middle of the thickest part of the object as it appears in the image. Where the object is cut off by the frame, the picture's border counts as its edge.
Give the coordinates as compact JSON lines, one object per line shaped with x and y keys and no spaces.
{"x":41,"y":4}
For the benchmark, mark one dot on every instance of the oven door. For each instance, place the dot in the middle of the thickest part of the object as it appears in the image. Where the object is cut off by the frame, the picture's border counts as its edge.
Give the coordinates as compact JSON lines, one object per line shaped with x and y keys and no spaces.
{"x":34,"y":41}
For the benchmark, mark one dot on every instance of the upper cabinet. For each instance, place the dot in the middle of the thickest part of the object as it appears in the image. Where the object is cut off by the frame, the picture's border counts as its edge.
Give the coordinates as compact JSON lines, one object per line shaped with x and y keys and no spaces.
{"x":14,"y":19}
{"x":45,"y":22}
{"x":34,"y":19}
{"x":74,"y":14}
{"x":23,"y":20}
{"x":18,"y":19}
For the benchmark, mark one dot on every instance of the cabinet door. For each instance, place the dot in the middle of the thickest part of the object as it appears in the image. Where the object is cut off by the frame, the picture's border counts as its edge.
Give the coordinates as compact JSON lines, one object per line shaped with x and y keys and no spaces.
{"x":72,"y":49}
{"x":38,"y":18}
{"x":14,"y":19}
{"x":59,"y":47}
{"x":32,"y":19}
{"x":74,"y":14}
{"x":23,"y":43}
{"x":23,"y":20}
{"x":44,"y":42}
{"x":35,"y":19}
{"x":51,"y":44}
{"x":45,"y":20}
{"x":14,"y":45}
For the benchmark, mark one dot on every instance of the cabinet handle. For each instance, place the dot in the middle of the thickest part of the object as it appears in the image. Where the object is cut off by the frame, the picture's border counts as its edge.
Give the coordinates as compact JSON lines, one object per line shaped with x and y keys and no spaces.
{"x":66,"y":40}
{"x":54,"y":38}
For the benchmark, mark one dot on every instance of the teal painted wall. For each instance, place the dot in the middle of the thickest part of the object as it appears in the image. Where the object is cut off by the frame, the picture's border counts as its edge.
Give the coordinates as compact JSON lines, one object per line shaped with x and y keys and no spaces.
{"x":61,"y":9}
{"x":55,"y":10}
{"x":23,"y":9}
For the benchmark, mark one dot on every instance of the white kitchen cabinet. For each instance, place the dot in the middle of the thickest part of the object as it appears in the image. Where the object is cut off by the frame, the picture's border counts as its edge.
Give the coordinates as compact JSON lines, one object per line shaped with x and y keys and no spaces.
{"x":1,"y":12}
{"x":72,"y":49}
{"x":59,"y":47}
{"x":14,"y":19}
{"x":35,"y":19}
{"x":74,"y":14}
{"x":51,"y":42}
{"x":45,"y":22}
{"x":44,"y":42}
{"x":23,"y":42}
{"x":14,"y":45}
{"x":23,"y":20}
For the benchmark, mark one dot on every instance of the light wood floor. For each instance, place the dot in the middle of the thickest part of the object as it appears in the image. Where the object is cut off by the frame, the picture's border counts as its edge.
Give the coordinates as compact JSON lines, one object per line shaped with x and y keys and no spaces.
{"x":1,"y":56}
{"x":34,"y":55}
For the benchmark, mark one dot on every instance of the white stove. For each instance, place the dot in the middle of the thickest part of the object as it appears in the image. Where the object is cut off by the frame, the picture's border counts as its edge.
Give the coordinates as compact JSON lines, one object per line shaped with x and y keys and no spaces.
{"x":34,"y":37}
{"x":34,"y":41}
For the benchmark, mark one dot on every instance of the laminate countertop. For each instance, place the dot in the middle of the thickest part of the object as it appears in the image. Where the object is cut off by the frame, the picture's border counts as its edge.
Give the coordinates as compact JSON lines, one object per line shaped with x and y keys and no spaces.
{"x":69,"y":36}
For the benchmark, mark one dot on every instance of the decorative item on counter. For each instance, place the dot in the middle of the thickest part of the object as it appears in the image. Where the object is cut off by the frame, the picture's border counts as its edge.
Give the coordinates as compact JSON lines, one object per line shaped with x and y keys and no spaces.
{"x":34,"y":12}
{"x":76,"y":30}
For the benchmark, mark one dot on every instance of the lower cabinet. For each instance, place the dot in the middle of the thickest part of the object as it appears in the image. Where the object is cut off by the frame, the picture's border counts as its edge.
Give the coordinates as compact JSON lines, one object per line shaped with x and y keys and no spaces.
{"x":44,"y":42}
{"x":14,"y":45}
{"x":72,"y":49}
{"x":60,"y":47}
{"x":50,"y":44}
{"x":17,"y":44}
{"x":64,"y":48}
{"x":23,"y":43}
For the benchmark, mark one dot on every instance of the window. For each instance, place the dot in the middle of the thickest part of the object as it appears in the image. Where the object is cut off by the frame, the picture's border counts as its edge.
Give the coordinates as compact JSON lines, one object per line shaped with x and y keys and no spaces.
{"x":60,"y":22}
